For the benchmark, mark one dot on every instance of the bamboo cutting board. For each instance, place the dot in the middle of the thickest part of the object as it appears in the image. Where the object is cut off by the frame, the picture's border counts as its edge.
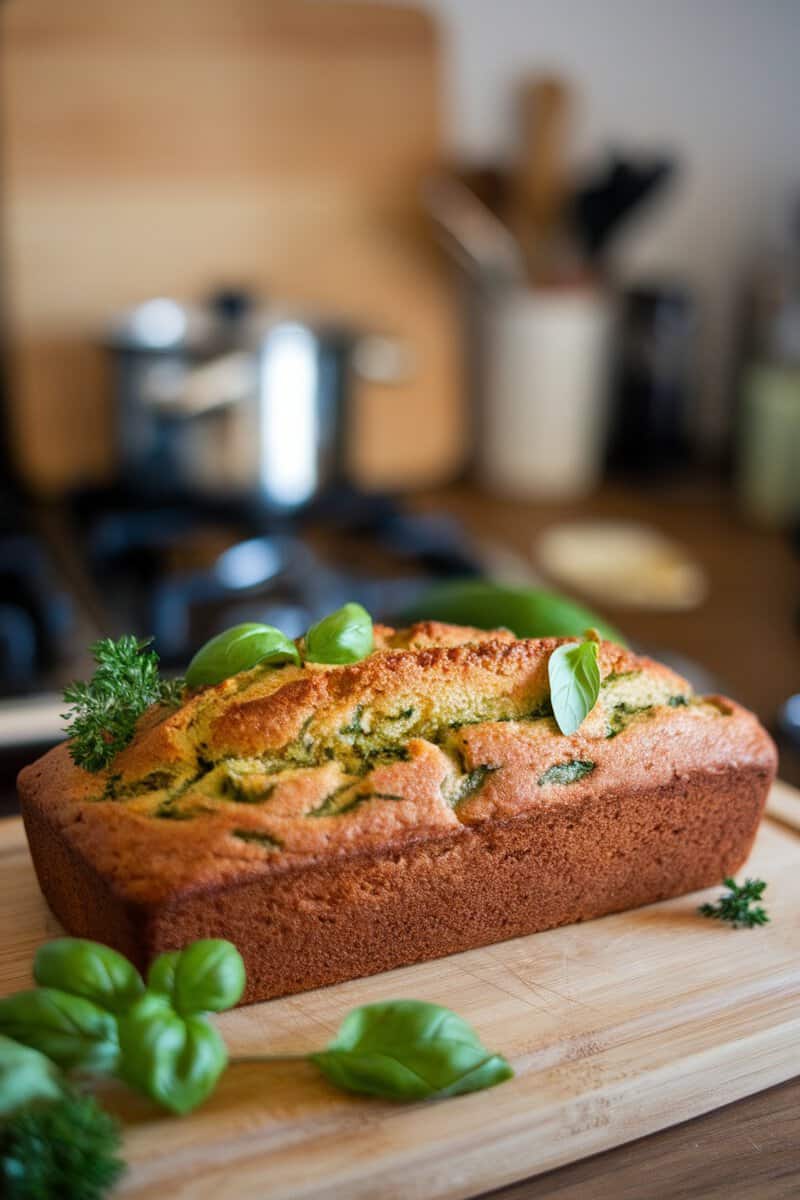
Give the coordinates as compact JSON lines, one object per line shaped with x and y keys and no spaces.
{"x":615,"y":1029}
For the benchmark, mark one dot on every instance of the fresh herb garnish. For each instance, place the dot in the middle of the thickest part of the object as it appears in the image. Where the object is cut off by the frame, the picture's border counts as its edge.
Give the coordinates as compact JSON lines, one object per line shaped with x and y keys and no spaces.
{"x":53,"y":1142}
{"x":103,"y":712}
{"x":240,"y":649}
{"x":26,"y":1075}
{"x":574,"y":675}
{"x":101,"y":1019}
{"x":89,"y":970}
{"x":158,"y":1038}
{"x":345,"y":636}
{"x":409,"y":1050}
{"x":568,"y":772}
{"x":66,"y":1148}
{"x":739,"y":905}
{"x":72,"y":1031}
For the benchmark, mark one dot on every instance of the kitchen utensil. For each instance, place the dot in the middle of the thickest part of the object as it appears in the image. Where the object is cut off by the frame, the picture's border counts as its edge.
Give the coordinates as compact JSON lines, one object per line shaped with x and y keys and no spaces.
{"x":615,"y":1029}
{"x":476,"y":239}
{"x":543,"y":412}
{"x":539,"y":179}
{"x":604,"y":203}
{"x":227,"y":402}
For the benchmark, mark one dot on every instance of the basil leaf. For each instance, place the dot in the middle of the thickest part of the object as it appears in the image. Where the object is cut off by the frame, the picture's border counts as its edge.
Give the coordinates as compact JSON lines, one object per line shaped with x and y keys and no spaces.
{"x":346,"y":636}
{"x":90,"y":970}
{"x":208,"y":976}
{"x":239,"y":649}
{"x":25,"y":1075}
{"x":71,"y":1031}
{"x":161,"y":974}
{"x":409,"y":1050}
{"x":174,"y":1060}
{"x":568,"y":772}
{"x":574,"y":683}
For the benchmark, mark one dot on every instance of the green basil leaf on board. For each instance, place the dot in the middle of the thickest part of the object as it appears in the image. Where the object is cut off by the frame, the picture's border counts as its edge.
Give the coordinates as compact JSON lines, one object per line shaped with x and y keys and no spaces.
{"x":345,"y":636}
{"x":71,"y":1031}
{"x":240,"y":649}
{"x":208,"y":976}
{"x":527,"y":612}
{"x":25,"y":1075}
{"x":409,"y":1050}
{"x":574,"y":674}
{"x":174,"y":1060}
{"x":90,"y":970}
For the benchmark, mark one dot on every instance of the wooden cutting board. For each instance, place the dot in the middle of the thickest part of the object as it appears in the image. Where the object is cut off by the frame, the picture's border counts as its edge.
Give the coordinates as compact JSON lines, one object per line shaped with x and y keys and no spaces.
{"x":615,"y":1029}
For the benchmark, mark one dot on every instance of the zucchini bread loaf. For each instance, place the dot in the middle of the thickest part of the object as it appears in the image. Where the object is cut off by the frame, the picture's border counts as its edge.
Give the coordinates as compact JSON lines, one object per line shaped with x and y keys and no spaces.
{"x":336,"y":821}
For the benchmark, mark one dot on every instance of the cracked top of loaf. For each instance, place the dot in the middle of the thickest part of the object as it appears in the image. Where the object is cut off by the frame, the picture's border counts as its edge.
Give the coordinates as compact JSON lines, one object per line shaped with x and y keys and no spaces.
{"x":441,"y":729}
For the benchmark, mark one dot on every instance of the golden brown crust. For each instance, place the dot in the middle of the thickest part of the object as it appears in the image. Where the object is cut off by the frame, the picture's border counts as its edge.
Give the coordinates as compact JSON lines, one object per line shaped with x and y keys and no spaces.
{"x":282,"y":785}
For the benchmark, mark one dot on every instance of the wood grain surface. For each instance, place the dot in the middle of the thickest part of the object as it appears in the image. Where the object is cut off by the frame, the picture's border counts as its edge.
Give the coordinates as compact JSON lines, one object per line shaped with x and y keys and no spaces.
{"x":615,"y":1028}
{"x":744,"y":1151}
{"x":170,"y":146}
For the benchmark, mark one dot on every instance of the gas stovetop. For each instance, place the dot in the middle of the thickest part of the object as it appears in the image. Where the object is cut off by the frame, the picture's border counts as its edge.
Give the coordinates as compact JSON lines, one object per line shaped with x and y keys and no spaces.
{"x":182,"y":572}
{"x":104,"y":563}
{"x":36,"y":609}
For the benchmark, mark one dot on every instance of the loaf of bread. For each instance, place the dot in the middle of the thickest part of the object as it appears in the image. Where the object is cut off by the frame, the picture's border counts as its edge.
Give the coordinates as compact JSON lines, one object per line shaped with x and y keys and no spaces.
{"x":336,"y":821}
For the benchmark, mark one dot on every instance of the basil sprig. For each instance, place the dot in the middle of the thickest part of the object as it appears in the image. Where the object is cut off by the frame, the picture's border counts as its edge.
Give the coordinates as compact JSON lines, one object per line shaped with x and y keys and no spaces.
{"x":574,"y":674}
{"x":89,"y":970}
{"x":26,"y":1075}
{"x":175,"y":1060}
{"x":409,"y":1050}
{"x":101,"y":1019}
{"x":205,"y":977}
{"x":158,"y":1039}
{"x":239,"y":649}
{"x":71,"y":1031}
{"x":345,"y":636}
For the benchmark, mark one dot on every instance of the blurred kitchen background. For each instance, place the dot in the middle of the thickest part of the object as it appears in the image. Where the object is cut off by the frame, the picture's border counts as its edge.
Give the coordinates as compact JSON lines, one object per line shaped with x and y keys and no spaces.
{"x":309,"y":301}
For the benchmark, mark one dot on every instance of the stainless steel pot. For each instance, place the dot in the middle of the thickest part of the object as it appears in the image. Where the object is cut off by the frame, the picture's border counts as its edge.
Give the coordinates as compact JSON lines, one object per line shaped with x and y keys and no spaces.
{"x":223,"y":402}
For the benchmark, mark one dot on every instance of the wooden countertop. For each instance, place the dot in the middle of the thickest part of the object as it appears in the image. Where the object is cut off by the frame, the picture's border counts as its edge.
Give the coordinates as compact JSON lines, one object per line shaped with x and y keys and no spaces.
{"x":747,"y":634}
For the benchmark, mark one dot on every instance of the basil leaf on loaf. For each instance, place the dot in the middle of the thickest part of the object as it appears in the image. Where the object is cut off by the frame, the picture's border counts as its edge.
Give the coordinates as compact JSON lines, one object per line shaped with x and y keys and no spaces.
{"x":574,"y":675}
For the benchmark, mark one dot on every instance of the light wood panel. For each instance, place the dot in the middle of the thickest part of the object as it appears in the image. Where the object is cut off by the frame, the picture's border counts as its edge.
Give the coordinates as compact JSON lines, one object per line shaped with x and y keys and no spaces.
{"x":166,"y":146}
{"x":615,"y":1029}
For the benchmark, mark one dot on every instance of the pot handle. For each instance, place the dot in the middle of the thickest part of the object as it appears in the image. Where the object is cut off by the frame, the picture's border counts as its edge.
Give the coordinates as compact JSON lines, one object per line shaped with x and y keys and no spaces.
{"x":219,"y":383}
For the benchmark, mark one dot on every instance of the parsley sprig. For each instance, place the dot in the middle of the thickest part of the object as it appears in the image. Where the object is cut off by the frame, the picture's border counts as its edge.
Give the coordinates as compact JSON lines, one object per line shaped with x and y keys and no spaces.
{"x":103,"y":712}
{"x":739,"y":904}
{"x":67,"y":1148}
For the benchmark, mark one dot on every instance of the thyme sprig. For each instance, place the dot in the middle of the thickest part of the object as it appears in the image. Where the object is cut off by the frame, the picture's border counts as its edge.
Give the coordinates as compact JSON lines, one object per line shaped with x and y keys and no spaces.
{"x":102,"y":714}
{"x":739,"y":904}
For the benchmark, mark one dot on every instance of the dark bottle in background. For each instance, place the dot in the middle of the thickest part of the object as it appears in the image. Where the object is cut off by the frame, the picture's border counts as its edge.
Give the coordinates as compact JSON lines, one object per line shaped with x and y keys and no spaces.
{"x":651,"y":393}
